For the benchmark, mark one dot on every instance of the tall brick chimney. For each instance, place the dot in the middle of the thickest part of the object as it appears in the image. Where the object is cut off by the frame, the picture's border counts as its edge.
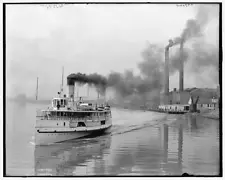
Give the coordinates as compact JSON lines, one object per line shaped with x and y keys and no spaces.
{"x":181,"y":70}
{"x":166,"y":78}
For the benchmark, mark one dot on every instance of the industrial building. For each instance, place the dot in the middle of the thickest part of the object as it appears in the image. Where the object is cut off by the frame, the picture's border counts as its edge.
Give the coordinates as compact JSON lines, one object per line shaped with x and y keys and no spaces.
{"x":197,"y":98}
{"x":208,"y":98}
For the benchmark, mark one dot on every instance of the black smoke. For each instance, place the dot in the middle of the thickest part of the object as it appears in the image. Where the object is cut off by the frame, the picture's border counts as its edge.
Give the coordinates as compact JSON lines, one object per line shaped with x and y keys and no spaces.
{"x":99,"y":81}
{"x":200,"y":53}
{"x":148,"y":83}
{"x":174,"y":61}
{"x":139,"y":88}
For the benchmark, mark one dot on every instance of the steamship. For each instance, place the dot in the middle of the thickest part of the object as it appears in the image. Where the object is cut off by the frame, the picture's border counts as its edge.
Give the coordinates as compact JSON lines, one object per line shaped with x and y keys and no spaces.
{"x":68,"y":119}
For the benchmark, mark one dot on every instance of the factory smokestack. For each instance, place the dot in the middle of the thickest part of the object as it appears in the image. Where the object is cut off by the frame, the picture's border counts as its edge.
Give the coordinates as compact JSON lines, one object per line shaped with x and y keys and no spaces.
{"x":167,"y":79}
{"x":166,"y":91}
{"x":181,"y":69}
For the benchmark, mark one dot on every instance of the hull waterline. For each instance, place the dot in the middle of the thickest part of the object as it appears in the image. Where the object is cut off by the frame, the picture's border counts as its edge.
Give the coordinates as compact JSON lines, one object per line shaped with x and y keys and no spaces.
{"x":46,"y":138}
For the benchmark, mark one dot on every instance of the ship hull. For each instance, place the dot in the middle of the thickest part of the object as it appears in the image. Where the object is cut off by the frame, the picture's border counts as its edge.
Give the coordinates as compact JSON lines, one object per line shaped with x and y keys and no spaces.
{"x":50,"y":137}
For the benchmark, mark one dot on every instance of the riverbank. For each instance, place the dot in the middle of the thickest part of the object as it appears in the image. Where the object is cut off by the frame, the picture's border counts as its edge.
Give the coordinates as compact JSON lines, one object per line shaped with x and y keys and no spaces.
{"x":212,"y":114}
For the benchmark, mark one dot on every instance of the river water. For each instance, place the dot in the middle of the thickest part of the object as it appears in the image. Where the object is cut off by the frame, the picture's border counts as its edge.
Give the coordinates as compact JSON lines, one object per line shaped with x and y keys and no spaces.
{"x":140,"y":143}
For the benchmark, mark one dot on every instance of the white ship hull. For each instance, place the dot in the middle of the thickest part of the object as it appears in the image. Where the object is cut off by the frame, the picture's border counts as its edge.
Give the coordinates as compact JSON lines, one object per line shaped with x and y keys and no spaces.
{"x":49,"y":137}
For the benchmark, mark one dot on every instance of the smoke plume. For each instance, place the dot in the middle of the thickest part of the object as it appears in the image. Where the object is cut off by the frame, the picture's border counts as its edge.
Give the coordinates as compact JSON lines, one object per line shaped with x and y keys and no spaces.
{"x":148,"y":84}
{"x":133,"y":87}
{"x":99,"y":81}
{"x":128,"y":85}
{"x":201,"y":54}
{"x":174,"y":61}
{"x":195,"y":27}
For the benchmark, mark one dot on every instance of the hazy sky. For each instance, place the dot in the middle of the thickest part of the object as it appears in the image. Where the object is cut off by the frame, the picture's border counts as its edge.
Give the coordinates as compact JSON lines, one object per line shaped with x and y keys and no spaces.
{"x":87,"y":39}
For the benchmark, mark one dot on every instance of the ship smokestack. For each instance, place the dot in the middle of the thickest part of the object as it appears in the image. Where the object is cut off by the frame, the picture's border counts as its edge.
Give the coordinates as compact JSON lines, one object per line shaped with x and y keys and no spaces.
{"x":166,"y":86}
{"x":71,"y":90}
{"x":181,"y":69}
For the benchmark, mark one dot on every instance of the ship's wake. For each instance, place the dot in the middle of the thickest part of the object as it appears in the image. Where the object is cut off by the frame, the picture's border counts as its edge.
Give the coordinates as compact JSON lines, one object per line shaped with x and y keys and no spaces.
{"x":127,"y":121}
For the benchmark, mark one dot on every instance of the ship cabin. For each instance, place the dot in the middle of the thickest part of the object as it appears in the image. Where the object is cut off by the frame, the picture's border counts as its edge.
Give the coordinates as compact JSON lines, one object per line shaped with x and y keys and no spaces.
{"x":59,"y":103}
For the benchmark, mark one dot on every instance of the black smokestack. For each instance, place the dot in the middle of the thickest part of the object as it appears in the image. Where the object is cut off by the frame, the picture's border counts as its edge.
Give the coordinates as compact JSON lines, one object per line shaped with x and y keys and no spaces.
{"x":99,"y":81}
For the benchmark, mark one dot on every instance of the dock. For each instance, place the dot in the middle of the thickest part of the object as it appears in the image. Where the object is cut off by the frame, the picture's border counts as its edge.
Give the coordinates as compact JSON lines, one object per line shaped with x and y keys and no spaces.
{"x":168,"y":111}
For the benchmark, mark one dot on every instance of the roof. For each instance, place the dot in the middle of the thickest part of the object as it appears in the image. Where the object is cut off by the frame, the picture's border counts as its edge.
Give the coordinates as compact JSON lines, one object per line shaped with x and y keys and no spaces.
{"x":204,"y":93}
{"x":190,"y":89}
{"x":203,"y":100}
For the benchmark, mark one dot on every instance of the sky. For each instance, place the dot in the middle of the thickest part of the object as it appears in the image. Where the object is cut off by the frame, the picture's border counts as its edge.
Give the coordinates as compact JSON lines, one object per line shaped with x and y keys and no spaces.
{"x":88,"y":39}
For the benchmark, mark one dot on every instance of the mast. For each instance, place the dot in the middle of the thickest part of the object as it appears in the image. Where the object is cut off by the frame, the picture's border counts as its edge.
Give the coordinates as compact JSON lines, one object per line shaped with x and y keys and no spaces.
{"x":37,"y":90}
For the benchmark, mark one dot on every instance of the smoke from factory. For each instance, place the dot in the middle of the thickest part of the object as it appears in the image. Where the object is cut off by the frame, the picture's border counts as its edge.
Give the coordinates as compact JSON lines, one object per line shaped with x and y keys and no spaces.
{"x":151,"y":68}
{"x":199,"y":53}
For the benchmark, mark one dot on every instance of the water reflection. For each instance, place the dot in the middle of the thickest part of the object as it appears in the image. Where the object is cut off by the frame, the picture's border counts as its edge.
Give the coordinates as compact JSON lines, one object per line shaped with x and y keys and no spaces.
{"x":180,"y":145}
{"x":192,"y":122}
{"x":63,"y":159}
{"x":169,"y":146}
{"x":172,"y":149}
{"x":165,"y":142}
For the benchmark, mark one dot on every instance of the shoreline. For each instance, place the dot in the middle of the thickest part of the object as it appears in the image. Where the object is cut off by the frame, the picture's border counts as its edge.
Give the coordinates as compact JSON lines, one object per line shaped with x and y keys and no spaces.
{"x":211,"y":114}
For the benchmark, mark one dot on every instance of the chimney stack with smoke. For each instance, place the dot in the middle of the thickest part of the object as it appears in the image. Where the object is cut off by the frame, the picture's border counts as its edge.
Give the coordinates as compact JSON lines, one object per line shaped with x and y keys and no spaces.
{"x":167,"y":79}
{"x":181,"y":69}
{"x":71,"y":87}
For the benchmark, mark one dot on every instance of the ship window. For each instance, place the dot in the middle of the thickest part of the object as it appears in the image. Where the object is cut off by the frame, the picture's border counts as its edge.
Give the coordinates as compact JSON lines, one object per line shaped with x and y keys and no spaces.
{"x":64,"y":123}
{"x":81,"y":124}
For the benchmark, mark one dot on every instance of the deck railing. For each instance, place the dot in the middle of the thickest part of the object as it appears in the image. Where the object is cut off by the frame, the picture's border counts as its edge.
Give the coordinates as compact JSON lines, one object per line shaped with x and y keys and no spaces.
{"x":71,"y":118}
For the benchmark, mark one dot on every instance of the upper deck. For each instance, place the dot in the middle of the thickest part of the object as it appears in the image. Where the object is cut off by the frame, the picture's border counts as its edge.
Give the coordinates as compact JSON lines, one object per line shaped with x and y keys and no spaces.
{"x":64,"y":109}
